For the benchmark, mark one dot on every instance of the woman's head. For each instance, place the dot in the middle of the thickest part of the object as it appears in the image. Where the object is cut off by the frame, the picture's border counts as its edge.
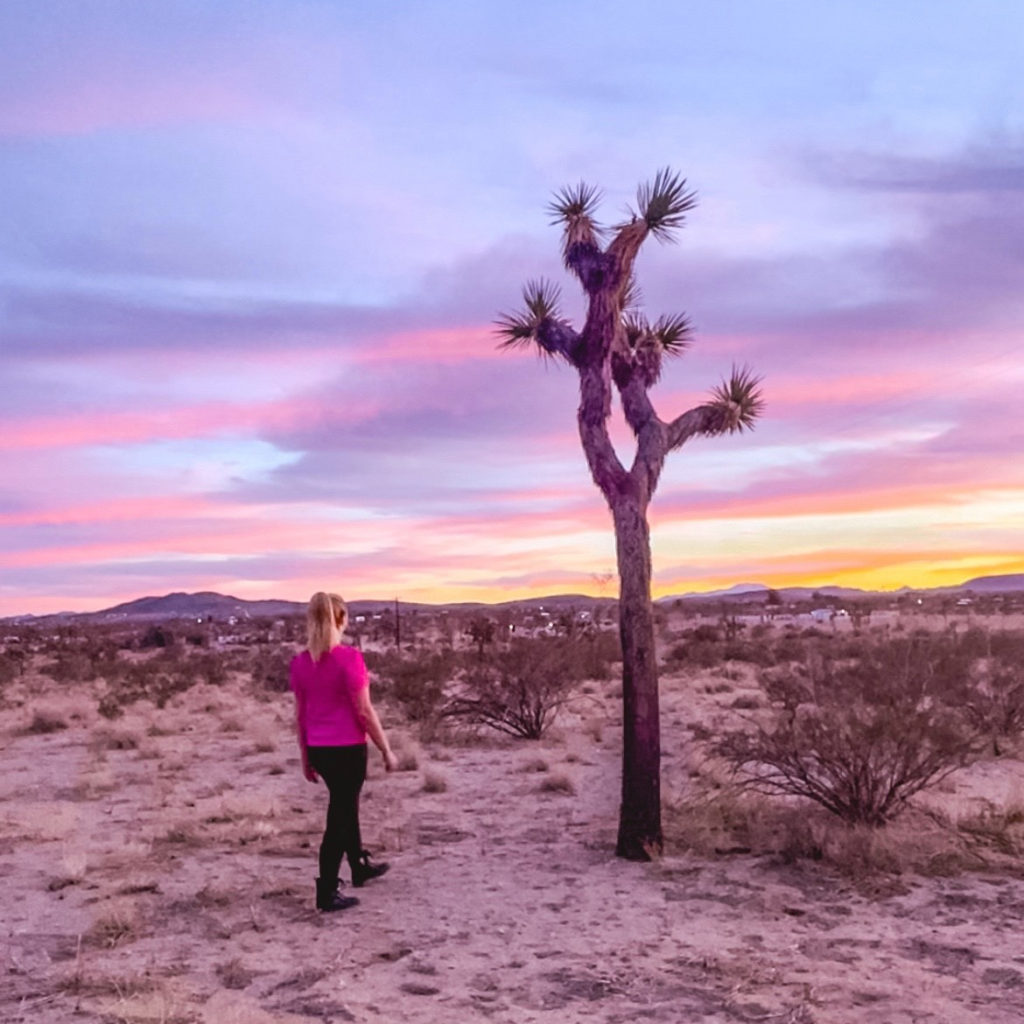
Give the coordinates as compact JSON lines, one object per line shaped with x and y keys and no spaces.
{"x":326,"y":617}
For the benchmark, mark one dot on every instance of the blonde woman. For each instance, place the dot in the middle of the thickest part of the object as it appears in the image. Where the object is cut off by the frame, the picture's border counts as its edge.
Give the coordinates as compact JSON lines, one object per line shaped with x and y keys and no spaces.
{"x":333,"y":717}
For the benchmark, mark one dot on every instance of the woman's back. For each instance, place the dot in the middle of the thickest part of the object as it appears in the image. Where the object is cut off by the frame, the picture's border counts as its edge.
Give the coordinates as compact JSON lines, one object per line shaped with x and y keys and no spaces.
{"x":326,"y":692}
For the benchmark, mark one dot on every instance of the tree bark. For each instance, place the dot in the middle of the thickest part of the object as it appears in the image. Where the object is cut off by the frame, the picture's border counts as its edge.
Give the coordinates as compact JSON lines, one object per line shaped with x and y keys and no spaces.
{"x":640,"y":832}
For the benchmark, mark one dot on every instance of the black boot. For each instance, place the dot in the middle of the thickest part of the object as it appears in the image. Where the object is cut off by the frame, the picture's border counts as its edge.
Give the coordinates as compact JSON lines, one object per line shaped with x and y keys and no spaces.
{"x":328,"y":897}
{"x":363,"y":871}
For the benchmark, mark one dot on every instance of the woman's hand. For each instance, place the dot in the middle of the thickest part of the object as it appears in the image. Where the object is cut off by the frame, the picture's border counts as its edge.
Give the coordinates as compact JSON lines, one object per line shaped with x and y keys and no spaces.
{"x":309,"y":772}
{"x":390,"y":761}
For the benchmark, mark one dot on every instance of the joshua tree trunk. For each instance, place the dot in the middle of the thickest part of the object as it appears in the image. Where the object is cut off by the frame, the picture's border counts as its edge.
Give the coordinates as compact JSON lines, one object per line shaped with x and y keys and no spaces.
{"x":640,"y":814}
{"x":618,"y":347}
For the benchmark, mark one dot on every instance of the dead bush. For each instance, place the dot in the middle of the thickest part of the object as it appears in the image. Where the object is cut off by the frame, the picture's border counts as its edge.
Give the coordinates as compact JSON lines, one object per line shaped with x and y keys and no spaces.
{"x":45,"y":722}
{"x":858,"y":735}
{"x":417,"y":684}
{"x":519,"y":690}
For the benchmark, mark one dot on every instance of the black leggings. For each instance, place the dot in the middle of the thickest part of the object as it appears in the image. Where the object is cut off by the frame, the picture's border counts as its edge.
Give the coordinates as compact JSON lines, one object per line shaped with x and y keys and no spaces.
{"x":343,"y":769}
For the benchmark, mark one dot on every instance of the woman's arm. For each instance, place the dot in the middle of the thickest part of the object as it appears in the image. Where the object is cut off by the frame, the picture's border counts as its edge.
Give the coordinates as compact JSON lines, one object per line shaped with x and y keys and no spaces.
{"x":300,"y":733}
{"x":367,"y":715}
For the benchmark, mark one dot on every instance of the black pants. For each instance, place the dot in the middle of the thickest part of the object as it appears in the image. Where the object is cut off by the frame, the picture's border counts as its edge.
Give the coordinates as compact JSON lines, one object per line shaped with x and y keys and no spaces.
{"x":343,"y":770}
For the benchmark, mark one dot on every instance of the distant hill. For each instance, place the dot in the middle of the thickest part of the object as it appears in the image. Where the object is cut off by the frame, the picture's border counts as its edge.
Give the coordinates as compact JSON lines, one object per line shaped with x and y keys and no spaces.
{"x":995,"y":584}
{"x":751,"y":591}
{"x":223,"y":606}
{"x":200,"y":605}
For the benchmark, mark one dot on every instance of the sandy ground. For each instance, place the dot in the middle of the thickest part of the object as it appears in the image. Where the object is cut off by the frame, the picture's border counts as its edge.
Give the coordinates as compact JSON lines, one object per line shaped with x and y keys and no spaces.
{"x":160,"y":868}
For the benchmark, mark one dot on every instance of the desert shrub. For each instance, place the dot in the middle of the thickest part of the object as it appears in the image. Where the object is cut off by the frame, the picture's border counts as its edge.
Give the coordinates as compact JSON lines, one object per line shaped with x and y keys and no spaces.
{"x":157,"y":636}
{"x":518,"y":691}
{"x":210,"y":668}
{"x":557,"y":782}
{"x":9,"y":669}
{"x":417,"y":684}
{"x":45,"y":722}
{"x":156,"y":679}
{"x":434,"y":782}
{"x":701,"y":653}
{"x":984,"y":677}
{"x":70,"y":667}
{"x":597,"y":650}
{"x":270,"y":669}
{"x":858,"y":736}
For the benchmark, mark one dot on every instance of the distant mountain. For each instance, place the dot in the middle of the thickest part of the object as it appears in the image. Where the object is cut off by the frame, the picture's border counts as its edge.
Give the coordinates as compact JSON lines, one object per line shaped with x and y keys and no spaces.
{"x":223,"y":606}
{"x":995,"y":584}
{"x":206,"y":603}
{"x":1011,"y":583}
{"x":752,"y":591}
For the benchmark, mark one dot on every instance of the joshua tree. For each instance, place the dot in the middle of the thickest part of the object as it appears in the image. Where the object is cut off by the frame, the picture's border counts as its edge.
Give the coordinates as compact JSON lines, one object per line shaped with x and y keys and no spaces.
{"x":618,"y":347}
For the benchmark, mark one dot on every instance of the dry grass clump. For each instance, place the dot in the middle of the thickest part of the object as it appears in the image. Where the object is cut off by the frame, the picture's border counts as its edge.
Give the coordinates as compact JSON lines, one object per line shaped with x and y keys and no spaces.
{"x":74,"y":865}
{"x":997,"y":828}
{"x":924,"y":842}
{"x":434,"y":782}
{"x":557,"y":782}
{"x":534,"y":764}
{"x":408,"y":761}
{"x":115,"y":924}
{"x":44,"y":722}
{"x":106,"y":737}
{"x":233,"y":974}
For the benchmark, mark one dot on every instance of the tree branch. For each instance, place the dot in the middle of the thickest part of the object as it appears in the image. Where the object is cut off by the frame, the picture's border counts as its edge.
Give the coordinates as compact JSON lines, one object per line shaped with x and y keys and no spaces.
{"x":592,"y":418}
{"x":694,"y":421}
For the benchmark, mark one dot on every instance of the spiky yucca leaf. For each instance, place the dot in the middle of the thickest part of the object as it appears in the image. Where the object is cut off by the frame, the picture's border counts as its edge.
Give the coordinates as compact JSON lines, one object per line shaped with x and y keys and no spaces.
{"x":664,"y":202}
{"x":636,"y":327}
{"x":632,"y":296}
{"x":674,"y":333}
{"x":575,"y":201}
{"x":736,"y":403}
{"x":540,"y":298}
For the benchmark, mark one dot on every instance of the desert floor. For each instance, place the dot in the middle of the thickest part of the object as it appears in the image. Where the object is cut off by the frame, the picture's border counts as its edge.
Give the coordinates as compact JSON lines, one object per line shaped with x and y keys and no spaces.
{"x":160,"y":868}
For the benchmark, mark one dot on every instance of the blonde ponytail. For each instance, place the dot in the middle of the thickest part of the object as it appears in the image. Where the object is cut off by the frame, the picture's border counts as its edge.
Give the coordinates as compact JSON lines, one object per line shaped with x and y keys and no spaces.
{"x":325,"y":618}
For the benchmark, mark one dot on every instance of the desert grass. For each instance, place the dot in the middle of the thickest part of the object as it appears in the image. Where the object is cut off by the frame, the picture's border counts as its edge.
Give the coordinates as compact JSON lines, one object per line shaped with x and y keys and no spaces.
{"x":116,"y":922}
{"x":557,"y":783}
{"x":43,"y":722}
{"x":434,"y":782}
{"x":110,"y":737}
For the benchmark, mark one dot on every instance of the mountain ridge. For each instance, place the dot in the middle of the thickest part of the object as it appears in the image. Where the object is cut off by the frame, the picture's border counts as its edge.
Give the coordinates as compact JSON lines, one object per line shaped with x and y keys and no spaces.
{"x":208,"y":603}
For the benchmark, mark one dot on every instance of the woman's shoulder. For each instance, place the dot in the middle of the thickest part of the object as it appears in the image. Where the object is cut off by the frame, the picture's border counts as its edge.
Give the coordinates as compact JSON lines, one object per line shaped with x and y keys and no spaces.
{"x":346,"y":654}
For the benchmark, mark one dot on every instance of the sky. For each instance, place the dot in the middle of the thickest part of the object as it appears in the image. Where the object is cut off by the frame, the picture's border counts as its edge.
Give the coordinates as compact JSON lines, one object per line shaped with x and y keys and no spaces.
{"x":252,"y":252}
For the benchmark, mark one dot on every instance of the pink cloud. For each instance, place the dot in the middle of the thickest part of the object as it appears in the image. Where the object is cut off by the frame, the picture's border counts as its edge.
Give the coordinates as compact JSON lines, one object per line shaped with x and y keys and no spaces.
{"x":136,"y":426}
{"x":436,"y":345}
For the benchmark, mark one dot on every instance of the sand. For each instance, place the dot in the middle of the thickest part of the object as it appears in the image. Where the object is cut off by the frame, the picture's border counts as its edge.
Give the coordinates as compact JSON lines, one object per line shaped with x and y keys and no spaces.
{"x":160,"y":868}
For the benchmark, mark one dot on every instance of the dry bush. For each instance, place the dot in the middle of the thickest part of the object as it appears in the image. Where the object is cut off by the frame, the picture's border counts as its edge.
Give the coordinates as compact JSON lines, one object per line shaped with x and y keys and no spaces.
{"x":157,"y":678}
{"x":109,"y":738}
{"x":434,"y":782}
{"x":557,"y":782}
{"x":735,"y":821}
{"x":115,"y":924}
{"x":269,"y":668}
{"x":417,"y":684}
{"x":234,"y":974}
{"x":860,"y":735}
{"x":518,"y":691}
{"x":45,"y":722}
{"x":408,"y":761}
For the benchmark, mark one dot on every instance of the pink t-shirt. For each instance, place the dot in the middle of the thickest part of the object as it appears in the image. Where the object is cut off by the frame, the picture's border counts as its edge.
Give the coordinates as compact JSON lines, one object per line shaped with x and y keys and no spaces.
{"x":325,"y":693}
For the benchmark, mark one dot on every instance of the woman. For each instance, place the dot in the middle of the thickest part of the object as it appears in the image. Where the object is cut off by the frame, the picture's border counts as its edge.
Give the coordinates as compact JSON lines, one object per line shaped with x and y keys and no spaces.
{"x":333,"y":716}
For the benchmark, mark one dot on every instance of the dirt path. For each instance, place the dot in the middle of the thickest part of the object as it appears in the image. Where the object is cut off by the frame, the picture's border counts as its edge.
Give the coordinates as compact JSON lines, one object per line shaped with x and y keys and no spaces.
{"x":160,"y":869}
